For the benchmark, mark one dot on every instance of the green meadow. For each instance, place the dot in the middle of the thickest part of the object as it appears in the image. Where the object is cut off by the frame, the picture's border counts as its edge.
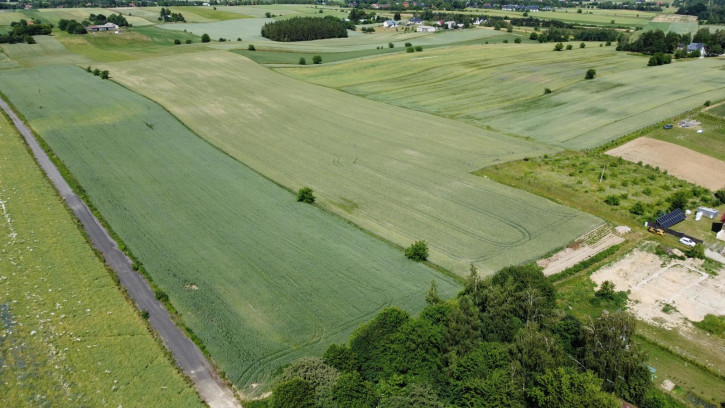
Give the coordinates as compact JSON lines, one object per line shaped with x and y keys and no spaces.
{"x":68,"y":337}
{"x":403,"y":175}
{"x":501,"y":88}
{"x":260,"y":278}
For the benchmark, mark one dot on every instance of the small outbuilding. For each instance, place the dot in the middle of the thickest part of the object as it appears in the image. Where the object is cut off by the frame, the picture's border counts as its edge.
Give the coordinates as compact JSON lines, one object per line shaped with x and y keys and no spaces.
{"x":708,"y":212}
{"x":103,"y":27}
{"x":425,"y":29}
{"x":415,"y":21}
{"x":390,"y":23}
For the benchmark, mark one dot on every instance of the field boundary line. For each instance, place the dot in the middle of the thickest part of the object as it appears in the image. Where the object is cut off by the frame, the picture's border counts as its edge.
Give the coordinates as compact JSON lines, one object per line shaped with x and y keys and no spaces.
{"x":186,"y":354}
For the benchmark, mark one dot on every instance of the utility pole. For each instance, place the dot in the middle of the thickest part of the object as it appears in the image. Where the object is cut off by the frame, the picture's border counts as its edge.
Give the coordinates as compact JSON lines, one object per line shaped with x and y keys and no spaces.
{"x":602,"y":176}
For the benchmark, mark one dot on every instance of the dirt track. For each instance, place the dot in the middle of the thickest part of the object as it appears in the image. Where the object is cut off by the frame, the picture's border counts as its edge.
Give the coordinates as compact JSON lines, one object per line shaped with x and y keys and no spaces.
{"x":187,"y":355}
{"x":679,"y":161}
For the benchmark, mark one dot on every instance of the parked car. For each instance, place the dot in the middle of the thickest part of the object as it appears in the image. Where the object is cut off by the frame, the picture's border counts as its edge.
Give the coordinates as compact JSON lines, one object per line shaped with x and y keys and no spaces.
{"x":668,"y":126}
{"x":687,"y":241}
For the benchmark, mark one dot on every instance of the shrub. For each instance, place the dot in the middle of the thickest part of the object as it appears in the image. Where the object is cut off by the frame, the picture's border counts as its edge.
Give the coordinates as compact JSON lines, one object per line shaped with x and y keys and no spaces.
{"x":505,"y":41}
{"x":88,"y":69}
{"x":720,"y":195}
{"x":558,"y":47}
{"x":612,"y":200}
{"x":302,"y":61}
{"x":305,"y":195}
{"x":417,"y":251}
{"x":177,"y":41}
{"x":418,"y":48}
{"x":569,"y":46}
{"x":317,"y":59}
{"x":712,"y":324}
{"x":160,"y":295}
{"x":410,"y":49}
{"x":222,"y":39}
{"x":390,"y":45}
{"x":707,"y":102}
{"x":104,"y":74}
{"x":145,"y":314}
{"x":97,"y":72}
{"x":517,"y":40}
{"x":591,"y":74}
{"x":251,"y":47}
{"x":188,"y":41}
{"x":605,"y":291}
{"x":582,"y":45}
{"x":547,"y":91}
{"x":697,"y":252}
{"x":408,"y":44}
{"x":294,"y":393}
{"x":239,"y":38}
{"x":205,"y":38}
{"x":637,"y":209}
{"x":533,"y":36}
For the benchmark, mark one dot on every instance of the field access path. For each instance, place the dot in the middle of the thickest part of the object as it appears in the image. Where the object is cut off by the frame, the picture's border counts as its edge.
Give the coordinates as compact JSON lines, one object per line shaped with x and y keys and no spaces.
{"x":188,"y":357}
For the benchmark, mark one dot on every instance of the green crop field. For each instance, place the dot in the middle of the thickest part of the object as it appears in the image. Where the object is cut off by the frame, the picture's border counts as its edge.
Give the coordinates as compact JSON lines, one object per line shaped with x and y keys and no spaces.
{"x":501,"y":88}
{"x":260,"y":278}
{"x":401,"y":174}
{"x":67,"y":335}
{"x":48,"y":51}
{"x":711,"y":142}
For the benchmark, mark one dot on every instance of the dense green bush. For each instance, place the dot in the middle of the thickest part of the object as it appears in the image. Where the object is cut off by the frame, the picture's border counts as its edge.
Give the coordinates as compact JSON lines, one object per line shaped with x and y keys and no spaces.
{"x":317,"y":59}
{"x":417,"y":251}
{"x":205,"y":38}
{"x":591,"y":73}
{"x":305,"y":29}
{"x":306,"y":195}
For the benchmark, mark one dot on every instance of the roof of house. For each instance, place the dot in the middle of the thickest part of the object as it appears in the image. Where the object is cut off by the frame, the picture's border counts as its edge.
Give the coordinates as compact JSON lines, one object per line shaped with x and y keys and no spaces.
{"x":415,"y":20}
{"x":695,"y":46}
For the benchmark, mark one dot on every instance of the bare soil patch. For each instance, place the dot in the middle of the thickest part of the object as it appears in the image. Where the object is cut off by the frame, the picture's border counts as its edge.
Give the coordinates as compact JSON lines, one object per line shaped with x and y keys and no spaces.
{"x":679,"y":161}
{"x":673,"y":18}
{"x":576,"y":253}
{"x":655,"y":283}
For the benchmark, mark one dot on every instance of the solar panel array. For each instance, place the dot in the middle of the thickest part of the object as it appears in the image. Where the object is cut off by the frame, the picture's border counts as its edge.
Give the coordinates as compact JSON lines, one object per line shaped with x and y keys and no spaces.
{"x":672,"y":218}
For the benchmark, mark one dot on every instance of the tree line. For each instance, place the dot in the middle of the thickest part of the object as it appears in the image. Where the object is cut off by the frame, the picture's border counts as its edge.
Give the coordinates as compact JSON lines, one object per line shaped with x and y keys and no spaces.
{"x":501,"y":342}
{"x":22,"y":32}
{"x":305,"y":29}
{"x":713,"y":13}
{"x":657,"y":42}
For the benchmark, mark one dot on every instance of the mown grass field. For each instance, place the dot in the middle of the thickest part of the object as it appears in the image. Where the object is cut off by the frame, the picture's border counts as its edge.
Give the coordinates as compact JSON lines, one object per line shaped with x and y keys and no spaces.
{"x":48,"y":51}
{"x":401,"y":174}
{"x":711,"y":142}
{"x":501,"y":88}
{"x":68,"y":337}
{"x":260,"y":278}
{"x":599,"y":17}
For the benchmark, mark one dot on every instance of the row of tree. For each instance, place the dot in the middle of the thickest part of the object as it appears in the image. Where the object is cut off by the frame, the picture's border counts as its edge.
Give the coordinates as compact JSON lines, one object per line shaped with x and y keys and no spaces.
{"x":656,"y":41}
{"x":712,"y":13}
{"x":502,"y":342}
{"x":22,"y":32}
{"x":71,"y":26}
{"x":305,"y":29}
{"x":169,"y":17}
{"x":100,"y":19}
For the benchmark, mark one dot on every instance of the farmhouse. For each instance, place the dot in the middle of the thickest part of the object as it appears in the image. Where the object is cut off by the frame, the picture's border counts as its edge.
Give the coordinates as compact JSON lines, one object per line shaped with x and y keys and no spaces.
{"x":390,"y":23}
{"x":103,"y":27}
{"x":451,"y":24}
{"x":508,"y":7}
{"x":425,"y":29}
{"x":697,"y":47}
{"x":532,"y":8}
{"x":415,"y":20}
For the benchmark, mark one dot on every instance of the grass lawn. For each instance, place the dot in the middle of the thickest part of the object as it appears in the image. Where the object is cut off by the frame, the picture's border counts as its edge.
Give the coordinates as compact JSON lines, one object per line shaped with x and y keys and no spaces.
{"x":68,"y":335}
{"x":49,"y":50}
{"x":501,"y":88}
{"x":711,"y":142}
{"x":260,"y":278}
{"x":572,"y":178}
{"x":401,"y":174}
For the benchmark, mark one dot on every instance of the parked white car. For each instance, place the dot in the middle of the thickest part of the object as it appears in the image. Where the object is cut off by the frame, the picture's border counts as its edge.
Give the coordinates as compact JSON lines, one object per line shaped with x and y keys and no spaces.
{"x":687,"y":241}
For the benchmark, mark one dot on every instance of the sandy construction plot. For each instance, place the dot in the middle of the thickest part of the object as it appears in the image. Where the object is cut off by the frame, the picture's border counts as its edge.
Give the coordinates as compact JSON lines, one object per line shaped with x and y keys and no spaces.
{"x":570,"y":256}
{"x":681,"y":162}
{"x":653,"y":284}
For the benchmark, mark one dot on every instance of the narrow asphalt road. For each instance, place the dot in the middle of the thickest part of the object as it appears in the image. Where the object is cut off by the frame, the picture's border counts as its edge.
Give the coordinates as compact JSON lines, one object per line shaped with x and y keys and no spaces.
{"x":188,"y":357}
